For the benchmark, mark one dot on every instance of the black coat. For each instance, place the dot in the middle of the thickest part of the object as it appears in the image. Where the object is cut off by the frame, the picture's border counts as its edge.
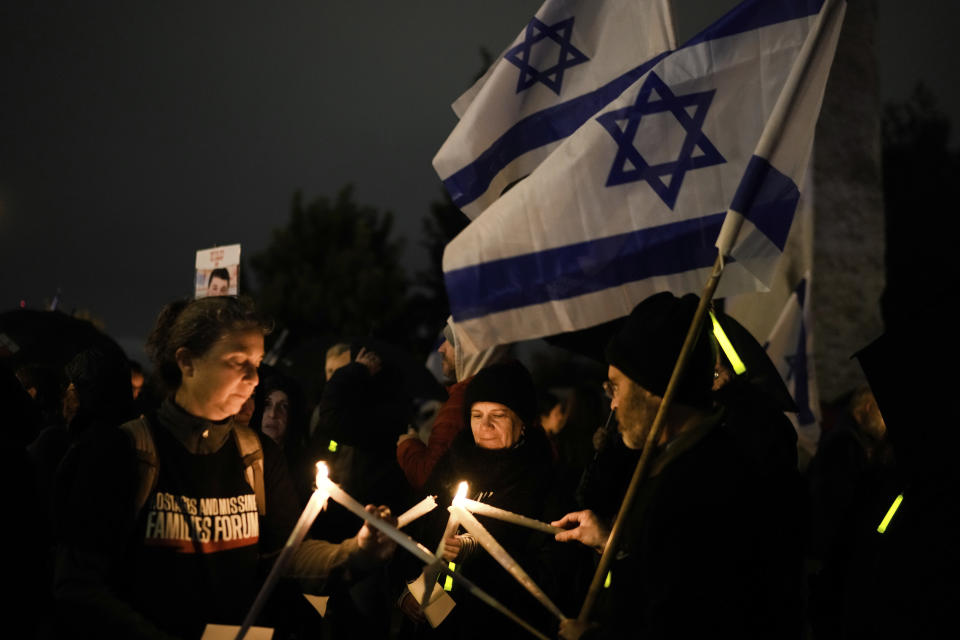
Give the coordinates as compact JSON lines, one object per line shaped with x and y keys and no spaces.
{"x":701,"y":555}
{"x":522,"y":480}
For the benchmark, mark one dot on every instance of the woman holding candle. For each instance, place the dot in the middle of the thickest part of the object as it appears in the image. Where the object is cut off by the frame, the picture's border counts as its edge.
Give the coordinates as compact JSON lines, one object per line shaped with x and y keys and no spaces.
{"x":507,"y":461}
{"x":191,"y":552}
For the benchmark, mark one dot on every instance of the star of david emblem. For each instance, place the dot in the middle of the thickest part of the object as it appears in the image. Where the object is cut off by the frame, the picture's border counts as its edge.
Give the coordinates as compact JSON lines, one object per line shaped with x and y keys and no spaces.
{"x":665,"y":178}
{"x":567,"y":56}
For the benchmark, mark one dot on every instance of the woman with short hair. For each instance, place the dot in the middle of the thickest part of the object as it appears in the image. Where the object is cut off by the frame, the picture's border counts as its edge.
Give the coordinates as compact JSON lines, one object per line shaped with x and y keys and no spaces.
{"x":191,"y":552}
{"x":508,"y":462}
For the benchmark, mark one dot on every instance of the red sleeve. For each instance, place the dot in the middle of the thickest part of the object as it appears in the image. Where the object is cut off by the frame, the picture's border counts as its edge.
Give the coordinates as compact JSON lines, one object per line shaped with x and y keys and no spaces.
{"x":417,"y":459}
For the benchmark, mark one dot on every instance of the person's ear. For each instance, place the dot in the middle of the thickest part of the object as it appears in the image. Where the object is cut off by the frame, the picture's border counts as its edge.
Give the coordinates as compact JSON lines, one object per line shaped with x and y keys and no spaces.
{"x":184,"y":361}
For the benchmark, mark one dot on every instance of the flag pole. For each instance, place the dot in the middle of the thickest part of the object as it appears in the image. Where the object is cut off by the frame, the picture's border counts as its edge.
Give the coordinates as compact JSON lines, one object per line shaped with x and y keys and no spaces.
{"x":643,"y":464}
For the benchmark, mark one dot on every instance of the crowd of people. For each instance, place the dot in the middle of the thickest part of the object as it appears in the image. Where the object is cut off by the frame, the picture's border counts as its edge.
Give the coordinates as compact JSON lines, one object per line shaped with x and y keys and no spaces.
{"x":162,"y":505}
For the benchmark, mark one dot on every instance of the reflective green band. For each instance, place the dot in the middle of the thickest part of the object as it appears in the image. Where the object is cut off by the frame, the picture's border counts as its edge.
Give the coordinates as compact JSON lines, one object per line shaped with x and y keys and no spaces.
{"x":333,"y":445}
{"x":727,"y":346}
{"x":892,"y":510}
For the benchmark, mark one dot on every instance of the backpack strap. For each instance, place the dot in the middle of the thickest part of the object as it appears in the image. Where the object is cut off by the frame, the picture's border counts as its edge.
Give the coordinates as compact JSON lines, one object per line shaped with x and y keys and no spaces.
{"x":248,"y":443}
{"x":142,"y":440}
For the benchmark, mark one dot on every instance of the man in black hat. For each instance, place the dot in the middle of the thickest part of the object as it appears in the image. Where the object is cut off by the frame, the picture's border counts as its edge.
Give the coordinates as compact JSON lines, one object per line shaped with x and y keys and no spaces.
{"x":689,"y":564}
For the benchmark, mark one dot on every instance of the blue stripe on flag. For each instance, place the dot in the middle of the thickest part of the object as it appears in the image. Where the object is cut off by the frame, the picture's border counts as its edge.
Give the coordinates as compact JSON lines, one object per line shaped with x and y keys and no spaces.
{"x":768,"y":199}
{"x":534,"y":131}
{"x":585,"y":267}
{"x":755,"y":14}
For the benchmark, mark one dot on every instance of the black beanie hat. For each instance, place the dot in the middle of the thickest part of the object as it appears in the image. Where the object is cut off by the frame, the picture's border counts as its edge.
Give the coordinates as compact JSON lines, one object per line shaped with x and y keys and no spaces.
{"x":648,"y":344}
{"x":507,"y":383}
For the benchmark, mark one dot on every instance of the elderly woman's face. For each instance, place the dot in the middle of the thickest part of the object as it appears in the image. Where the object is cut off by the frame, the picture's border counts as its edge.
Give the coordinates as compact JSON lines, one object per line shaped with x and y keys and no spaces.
{"x":494,"y":426}
{"x":276,"y":411}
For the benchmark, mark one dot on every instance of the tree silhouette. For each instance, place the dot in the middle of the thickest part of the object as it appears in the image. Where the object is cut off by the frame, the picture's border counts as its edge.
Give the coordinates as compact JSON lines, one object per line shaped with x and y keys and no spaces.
{"x":333,"y":271}
{"x":443,"y":223}
{"x":920,"y":197}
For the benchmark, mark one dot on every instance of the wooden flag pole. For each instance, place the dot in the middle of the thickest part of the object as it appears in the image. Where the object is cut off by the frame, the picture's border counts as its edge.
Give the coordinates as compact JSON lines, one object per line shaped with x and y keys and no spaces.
{"x":640,"y":471}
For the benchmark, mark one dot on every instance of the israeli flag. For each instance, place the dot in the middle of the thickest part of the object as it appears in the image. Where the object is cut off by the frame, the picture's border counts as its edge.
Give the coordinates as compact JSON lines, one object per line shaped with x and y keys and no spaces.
{"x":572,"y":59}
{"x":790,"y":347}
{"x":634,"y":202}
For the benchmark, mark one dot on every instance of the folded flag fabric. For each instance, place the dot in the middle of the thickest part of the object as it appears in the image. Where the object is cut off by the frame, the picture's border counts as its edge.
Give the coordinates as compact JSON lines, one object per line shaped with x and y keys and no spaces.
{"x":634,"y":201}
{"x":572,"y":59}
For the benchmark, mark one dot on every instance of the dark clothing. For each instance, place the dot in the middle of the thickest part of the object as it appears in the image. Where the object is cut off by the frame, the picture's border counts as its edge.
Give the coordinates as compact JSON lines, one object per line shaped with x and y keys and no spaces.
{"x":605,"y":480}
{"x":192,"y":555}
{"x":519,"y":479}
{"x":363,"y":414}
{"x":850,"y":491}
{"x":700,"y":558}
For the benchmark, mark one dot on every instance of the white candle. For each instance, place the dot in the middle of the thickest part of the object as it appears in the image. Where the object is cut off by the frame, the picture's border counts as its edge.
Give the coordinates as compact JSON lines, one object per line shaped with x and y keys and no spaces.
{"x":317,"y":501}
{"x":373,"y":520}
{"x":500,"y":554}
{"x":430,"y":575}
{"x":423,"y":507}
{"x":452,"y":523}
{"x":508,"y":516}
{"x":417,"y":549}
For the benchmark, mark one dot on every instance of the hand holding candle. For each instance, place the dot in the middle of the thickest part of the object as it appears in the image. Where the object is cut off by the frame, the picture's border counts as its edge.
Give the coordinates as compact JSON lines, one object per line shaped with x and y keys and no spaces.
{"x":371,"y":539}
{"x":317,"y":502}
{"x":488,"y":542}
{"x":452,"y":525}
{"x":430,"y":575}
{"x":419,"y":551}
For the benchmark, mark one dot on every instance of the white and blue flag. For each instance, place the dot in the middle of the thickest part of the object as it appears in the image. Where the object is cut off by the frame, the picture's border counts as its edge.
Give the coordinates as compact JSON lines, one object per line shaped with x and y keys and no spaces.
{"x":634,"y":201}
{"x":572,"y":59}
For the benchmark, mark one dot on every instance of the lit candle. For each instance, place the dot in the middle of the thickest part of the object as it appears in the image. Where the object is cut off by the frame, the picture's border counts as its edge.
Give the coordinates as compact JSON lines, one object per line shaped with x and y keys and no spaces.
{"x":508,"y":516}
{"x":452,"y":523}
{"x":418,"y":550}
{"x":430,"y":575}
{"x":500,"y":554}
{"x":423,"y":507}
{"x":374,"y":520}
{"x":314,"y":505}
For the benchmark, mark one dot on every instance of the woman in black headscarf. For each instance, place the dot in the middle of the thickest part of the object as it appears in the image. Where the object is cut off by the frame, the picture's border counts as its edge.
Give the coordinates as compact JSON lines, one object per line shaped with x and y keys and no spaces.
{"x":507,"y":461}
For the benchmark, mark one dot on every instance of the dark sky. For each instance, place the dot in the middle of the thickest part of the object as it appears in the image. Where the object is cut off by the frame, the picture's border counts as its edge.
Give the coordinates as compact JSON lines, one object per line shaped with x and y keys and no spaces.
{"x":134,"y":133}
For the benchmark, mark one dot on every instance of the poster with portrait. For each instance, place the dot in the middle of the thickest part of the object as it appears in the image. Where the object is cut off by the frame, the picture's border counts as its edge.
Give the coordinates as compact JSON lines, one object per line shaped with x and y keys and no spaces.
{"x":218,"y":271}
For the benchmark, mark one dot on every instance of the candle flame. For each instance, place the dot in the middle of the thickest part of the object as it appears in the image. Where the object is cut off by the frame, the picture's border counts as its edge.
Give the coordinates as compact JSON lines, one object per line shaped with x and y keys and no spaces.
{"x":322,"y":472}
{"x":461,"y":493}
{"x":321,"y":483}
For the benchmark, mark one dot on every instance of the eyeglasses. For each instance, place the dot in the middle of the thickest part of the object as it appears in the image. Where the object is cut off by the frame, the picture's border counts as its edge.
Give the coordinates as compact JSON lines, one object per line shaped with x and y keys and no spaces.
{"x":609,"y":389}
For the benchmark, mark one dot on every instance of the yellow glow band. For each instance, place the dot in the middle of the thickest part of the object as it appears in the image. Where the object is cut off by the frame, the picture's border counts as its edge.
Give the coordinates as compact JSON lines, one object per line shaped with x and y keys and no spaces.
{"x":448,"y":582}
{"x":332,"y":446}
{"x":725,"y":344}
{"x":892,"y":510}
{"x":606,"y":582}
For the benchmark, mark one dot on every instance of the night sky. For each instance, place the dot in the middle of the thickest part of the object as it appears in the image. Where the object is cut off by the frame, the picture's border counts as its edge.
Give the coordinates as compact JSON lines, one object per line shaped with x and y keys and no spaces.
{"x":135,"y":133}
